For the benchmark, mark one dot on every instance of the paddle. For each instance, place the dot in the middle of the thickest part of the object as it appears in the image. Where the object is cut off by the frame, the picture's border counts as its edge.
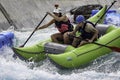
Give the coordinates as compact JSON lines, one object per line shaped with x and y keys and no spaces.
{"x":117,"y":49}
{"x":34,"y":30}
{"x":110,"y":47}
{"x":113,"y":48}
{"x":105,"y":12}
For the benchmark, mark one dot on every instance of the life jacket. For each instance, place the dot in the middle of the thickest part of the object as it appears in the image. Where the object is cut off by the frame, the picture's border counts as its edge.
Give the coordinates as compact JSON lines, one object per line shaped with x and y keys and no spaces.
{"x":64,"y":26}
{"x":84,"y":34}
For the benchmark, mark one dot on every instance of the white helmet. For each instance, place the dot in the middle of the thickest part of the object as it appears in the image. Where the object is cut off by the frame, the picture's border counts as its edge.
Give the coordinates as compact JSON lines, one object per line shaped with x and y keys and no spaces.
{"x":58,"y":10}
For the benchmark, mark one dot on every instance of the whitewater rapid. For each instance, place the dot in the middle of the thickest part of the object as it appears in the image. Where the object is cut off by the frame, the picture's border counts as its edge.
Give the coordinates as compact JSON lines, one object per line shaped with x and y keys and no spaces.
{"x":103,"y":68}
{"x":27,"y":14}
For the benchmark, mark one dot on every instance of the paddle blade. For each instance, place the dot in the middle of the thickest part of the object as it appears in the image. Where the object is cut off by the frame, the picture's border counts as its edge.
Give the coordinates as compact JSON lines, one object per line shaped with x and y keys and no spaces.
{"x":21,"y":46}
{"x":117,"y":49}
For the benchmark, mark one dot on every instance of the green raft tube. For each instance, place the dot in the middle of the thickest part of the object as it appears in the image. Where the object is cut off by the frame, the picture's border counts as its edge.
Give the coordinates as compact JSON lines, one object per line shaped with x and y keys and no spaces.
{"x":68,"y":56}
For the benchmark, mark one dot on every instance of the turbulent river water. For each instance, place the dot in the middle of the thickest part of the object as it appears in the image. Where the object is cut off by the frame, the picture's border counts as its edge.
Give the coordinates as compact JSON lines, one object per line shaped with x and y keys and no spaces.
{"x":104,"y":68}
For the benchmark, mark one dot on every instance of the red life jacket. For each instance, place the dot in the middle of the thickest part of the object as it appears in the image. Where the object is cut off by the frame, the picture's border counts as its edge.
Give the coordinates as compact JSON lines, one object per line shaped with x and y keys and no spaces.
{"x":63,"y":26}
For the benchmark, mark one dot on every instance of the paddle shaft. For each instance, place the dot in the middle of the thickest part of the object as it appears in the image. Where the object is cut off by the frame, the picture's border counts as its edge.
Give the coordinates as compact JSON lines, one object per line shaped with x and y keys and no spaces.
{"x":105,"y":12}
{"x":34,"y":30}
{"x":103,"y":45}
{"x":117,"y":49}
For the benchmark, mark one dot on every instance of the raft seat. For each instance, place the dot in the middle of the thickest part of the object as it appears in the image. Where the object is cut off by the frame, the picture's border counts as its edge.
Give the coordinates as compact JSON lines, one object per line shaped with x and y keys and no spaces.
{"x":54,"y":48}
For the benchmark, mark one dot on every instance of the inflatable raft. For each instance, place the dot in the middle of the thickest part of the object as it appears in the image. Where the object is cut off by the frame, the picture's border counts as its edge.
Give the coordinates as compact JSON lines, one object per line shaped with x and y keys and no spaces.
{"x":76,"y":57}
{"x":68,"y":56}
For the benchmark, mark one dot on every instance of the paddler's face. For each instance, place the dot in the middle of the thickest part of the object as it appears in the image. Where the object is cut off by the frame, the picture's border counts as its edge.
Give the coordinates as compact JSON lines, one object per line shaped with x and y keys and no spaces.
{"x":80,"y":24}
{"x":57,"y":14}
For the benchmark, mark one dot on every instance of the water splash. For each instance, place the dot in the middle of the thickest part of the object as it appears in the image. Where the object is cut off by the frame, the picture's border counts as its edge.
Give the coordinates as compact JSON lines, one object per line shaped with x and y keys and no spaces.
{"x":113,"y":19}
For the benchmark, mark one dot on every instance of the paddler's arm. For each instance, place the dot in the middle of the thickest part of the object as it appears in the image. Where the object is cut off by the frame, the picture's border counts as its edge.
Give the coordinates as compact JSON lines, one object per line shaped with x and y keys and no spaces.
{"x":73,"y":33}
{"x":95,"y":35}
{"x":63,"y":18}
{"x":76,"y":29}
{"x":46,"y":25}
